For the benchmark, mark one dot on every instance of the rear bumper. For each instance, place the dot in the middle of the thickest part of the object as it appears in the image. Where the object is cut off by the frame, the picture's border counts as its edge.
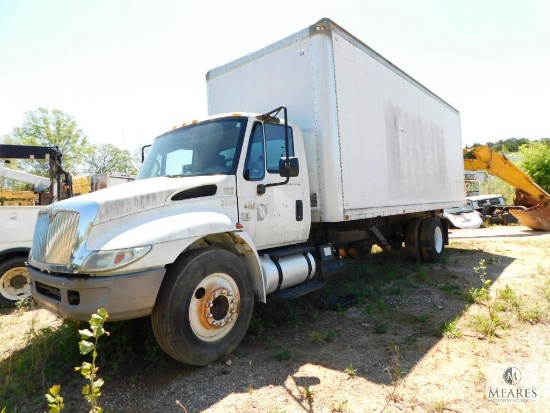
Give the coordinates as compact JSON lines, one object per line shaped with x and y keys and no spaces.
{"x":124,"y":296}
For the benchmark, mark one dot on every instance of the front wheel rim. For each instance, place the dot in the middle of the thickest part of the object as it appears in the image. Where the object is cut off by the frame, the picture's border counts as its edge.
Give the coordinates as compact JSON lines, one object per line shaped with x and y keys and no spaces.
{"x":214,"y":307}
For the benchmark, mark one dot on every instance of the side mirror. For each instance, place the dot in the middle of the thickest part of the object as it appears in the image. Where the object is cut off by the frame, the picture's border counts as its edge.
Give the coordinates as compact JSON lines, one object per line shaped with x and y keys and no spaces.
{"x":289,"y":169}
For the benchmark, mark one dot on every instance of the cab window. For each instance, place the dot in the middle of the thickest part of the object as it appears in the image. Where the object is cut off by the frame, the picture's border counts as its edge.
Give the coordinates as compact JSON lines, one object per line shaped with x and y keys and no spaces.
{"x":275,"y":145}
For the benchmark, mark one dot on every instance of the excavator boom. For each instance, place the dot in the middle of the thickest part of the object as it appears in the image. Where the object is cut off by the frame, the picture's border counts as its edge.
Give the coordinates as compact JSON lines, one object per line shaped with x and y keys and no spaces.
{"x":538,"y":217}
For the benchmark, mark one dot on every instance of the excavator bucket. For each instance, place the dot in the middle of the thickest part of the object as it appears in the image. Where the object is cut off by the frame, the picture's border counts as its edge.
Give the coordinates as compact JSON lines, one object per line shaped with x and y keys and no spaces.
{"x":537,"y":218}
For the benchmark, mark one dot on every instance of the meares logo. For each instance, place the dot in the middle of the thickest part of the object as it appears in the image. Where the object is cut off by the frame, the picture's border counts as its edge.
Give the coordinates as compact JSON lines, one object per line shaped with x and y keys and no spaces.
{"x":504,"y":393}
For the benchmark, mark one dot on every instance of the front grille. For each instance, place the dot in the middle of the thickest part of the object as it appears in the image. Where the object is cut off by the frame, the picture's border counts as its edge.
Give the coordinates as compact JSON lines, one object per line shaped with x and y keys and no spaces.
{"x":54,"y":237}
{"x":48,"y":291}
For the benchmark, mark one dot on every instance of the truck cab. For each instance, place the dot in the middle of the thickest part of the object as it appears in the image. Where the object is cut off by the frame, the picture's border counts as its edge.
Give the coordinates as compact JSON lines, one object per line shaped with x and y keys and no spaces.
{"x":212,"y":192}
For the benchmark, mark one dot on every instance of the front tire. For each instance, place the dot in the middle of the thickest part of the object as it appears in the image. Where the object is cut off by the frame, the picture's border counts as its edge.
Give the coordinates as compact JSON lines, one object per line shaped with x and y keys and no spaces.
{"x":15,"y":281}
{"x":204,"y":306}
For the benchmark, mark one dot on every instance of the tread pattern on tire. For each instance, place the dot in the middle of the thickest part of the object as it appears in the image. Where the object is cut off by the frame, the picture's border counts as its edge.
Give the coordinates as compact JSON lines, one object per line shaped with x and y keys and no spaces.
{"x":170,"y":317}
{"x":412,"y":239}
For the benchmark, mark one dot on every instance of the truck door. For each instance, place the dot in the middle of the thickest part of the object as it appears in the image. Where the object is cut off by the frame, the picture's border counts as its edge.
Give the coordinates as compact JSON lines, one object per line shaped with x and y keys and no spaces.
{"x":278,"y":216}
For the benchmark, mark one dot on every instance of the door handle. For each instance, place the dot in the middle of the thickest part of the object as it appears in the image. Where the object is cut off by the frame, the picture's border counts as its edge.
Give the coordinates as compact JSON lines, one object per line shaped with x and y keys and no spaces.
{"x":299,"y":210}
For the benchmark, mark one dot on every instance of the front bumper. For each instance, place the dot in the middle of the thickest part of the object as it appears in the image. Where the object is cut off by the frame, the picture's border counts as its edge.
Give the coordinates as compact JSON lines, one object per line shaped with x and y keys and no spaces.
{"x":123,"y":296}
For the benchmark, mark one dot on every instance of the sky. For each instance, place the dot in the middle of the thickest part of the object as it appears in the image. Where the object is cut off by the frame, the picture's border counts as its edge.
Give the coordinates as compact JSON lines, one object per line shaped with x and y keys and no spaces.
{"x":129,"y":70}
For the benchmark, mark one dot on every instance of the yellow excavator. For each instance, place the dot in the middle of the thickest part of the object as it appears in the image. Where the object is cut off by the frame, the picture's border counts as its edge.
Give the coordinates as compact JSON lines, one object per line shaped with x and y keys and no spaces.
{"x":528,"y":193}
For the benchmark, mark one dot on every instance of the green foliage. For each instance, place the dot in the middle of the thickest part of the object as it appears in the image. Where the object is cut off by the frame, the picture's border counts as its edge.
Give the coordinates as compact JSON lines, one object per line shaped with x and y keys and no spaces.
{"x":309,"y":392}
{"x":320,"y":338}
{"x":450,"y":329}
{"x":47,"y":358}
{"x":350,"y":370}
{"x":480,"y":295}
{"x":107,"y":158}
{"x":283,"y":355}
{"x":536,"y":162}
{"x":508,"y":145}
{"x":55,"y":401}
{"x":88,"y":344}
{"x":44,"y":128}
{"x":494,"y":185}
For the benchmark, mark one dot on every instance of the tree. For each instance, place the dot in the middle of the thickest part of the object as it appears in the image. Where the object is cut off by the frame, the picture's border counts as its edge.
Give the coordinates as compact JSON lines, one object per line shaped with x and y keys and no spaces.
{"x":536,"y":162}
{"x":107,"y":158}
{"x":508,"y":145}
{"x":42,"y":128}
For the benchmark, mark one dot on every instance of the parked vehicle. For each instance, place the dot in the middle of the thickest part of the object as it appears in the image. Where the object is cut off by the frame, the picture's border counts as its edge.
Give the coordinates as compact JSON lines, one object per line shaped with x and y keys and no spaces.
{"x":253,"y":203}
{"x":532,"y":203}
{"x":18,"y":215}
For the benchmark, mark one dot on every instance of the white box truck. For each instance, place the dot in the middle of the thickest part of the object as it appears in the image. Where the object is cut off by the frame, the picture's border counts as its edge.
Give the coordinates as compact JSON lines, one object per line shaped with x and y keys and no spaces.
{"x":253,"y":203}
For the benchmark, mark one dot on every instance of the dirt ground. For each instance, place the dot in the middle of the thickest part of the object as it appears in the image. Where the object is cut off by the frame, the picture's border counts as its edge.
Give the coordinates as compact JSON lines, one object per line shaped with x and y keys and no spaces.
{"x":387,"y":354}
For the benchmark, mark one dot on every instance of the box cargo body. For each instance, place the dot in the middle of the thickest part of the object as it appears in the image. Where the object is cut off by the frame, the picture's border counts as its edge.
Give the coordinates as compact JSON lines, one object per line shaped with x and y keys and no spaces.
{"x":17,"y":226}
{"x":378,"y":143}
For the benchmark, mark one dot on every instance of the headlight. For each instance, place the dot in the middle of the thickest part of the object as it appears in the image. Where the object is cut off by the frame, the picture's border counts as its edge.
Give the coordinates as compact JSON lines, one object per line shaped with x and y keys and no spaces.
{"x":108,"y":260}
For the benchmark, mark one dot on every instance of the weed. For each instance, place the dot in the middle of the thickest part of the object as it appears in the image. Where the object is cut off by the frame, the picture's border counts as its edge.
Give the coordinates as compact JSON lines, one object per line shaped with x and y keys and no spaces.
{"x":424,"y":318}
{"x":482,"y":294}
{"x":394,"y":290}
{"x":508,"y":295}
{"x":451,"y":290}
{"x":87,"y":345}
{"x":450,"y":329}
{"x":339,"y":406}
{"x":46,"y":358}
{"x":350,"y":370}
{"x":283,"y":355}
{"x":341,"y":310}
{"x":438,"y":406}
{"x":133,"y":379}
{"x":546,"y":290}
{"x":533,"y":315}
{"x":380,"y":328}
{"x":394,"y":369}
{"x":487,"y":326}
{"x":309,"y":392}
{"x":421,"y":272}
{"x":321,"y":338}
{"x":241,"y":352}
{"x":270,"y":342}
{"x":26,"y":304}
{"x":55,"y":401}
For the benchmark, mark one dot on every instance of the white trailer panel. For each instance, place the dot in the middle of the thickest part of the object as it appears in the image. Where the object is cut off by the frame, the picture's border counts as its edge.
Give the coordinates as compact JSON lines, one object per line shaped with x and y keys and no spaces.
{"x":17,"y":226}
{"x":378,"y":143}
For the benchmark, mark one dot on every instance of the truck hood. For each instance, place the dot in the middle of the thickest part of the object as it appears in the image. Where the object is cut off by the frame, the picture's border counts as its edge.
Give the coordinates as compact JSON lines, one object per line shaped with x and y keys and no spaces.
{"x":138,"y":196}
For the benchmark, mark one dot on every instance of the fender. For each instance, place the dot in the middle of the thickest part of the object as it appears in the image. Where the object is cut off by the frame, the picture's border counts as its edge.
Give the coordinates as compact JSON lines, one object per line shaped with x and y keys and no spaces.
{"x":178,"y":233}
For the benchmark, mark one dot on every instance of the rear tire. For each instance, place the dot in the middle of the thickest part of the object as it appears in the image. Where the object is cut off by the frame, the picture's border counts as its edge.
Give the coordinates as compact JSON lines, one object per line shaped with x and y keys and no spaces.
{"x":432,"y":239}
{"x":204,"y":306}
{"x":15,"y":281}
{"x":412,"y":239}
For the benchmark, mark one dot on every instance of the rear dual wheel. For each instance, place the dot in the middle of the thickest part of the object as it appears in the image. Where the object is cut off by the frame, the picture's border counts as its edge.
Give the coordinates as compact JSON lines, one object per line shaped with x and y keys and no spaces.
{"x":425,"y":239}
{"x":204,"y":306}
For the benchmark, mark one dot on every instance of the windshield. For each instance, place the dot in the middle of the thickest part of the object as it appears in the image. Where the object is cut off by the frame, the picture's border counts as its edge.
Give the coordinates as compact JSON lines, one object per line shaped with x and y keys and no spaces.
{"x":207,"y":148}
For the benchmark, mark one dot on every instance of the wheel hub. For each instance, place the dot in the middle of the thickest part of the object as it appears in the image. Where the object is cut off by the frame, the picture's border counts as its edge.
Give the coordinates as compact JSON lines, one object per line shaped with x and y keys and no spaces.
{"x":214,"y":307}
{"x":220,"y":308}
{"x":18,"y":281}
